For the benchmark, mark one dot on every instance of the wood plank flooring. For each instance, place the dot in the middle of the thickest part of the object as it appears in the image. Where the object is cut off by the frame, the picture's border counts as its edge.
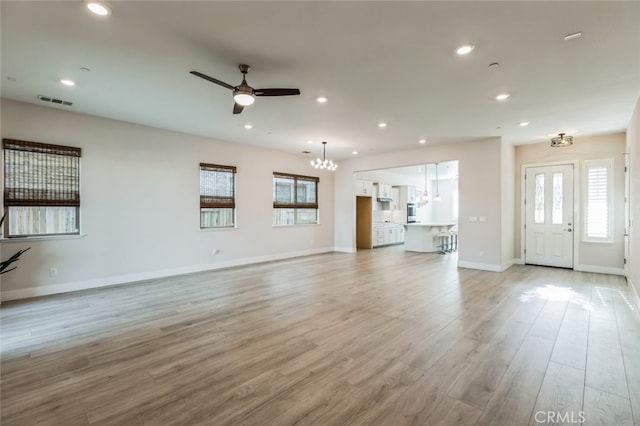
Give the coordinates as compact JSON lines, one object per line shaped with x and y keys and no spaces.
{"x":382,"y":337}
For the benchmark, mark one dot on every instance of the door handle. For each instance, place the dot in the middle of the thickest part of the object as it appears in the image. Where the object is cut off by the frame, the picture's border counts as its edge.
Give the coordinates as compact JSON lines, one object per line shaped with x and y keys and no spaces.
{"x":568,"y":229}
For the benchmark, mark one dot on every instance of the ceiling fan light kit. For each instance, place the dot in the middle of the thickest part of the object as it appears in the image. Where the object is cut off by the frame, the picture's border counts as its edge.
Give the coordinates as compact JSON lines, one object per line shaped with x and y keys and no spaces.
{"x":243,"y":94}
{"x":243,"y":97}
{"x":561,"y":140}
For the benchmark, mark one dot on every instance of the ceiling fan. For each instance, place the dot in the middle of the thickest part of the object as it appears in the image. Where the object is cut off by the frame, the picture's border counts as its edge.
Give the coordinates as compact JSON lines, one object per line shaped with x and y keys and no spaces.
{"x":243,"y":94}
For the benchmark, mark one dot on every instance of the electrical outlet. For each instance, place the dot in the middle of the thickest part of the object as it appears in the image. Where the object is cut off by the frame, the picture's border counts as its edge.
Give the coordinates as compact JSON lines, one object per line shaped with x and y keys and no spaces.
{"x":481,"y":253}
{"x":53,"y":272}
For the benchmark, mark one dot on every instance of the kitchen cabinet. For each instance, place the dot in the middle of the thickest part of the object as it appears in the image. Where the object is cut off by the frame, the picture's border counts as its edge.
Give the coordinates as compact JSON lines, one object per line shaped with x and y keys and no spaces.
{"x":384,"y":191}
{"x":387,"y":234}
{"x":378,"y":234}
{"x":407,"y":195}
{"x":395,"y":198}
{"x":364,"y":188}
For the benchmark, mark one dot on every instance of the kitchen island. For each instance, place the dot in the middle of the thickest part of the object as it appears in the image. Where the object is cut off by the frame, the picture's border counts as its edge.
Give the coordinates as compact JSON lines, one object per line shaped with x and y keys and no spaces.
{"x":423,"y":237}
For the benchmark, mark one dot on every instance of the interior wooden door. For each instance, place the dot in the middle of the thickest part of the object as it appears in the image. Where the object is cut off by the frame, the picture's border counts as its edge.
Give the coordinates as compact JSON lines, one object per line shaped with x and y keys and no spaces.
{"x":364,"y":222}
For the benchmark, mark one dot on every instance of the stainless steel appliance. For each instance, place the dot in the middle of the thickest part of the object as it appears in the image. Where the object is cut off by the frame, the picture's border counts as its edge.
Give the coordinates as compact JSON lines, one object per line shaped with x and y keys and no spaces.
{"x":411,"y":213}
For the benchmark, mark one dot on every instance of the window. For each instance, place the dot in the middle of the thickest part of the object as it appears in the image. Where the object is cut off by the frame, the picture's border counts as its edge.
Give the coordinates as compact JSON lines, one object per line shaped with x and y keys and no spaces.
{"x":556,"y":210}
{"x":217,"y":196}
{"x":41,"y":189}
{"x":598,"y":200}
{"x":538,"y":209}
{"x":295,"y":199}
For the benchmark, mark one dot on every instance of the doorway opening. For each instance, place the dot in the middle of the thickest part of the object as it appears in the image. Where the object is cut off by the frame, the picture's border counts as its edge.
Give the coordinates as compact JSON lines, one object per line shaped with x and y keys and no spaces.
{"x":392,"y":202}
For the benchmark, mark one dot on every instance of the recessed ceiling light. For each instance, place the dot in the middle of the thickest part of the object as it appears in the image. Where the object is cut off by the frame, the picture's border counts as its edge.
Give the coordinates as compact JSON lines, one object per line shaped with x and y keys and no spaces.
{"x":524,"y":123}
{"x":463,"y":50}
{"x":382,"y":125}
{"x":573,"y":36}
{"x":422,"y":141}
{"x":98,"y":8}
{"x":309,"y":142}
{"x":248,"y":126}
{"x":68,"y":82}
{"x":321,"y":100}
{"x":502,"y":96}
{"x":355,"y":152}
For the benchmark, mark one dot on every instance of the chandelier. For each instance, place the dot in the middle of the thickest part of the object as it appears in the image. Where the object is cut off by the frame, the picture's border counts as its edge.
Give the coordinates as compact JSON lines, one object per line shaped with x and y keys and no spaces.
{"x":324,"y":163}
{"x":562,"y":140}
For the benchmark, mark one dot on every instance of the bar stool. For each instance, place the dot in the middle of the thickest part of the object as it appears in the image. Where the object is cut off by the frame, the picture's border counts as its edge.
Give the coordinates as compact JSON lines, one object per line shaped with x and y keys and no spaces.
{"x":445,"y":241}
{"x":454,"y":240}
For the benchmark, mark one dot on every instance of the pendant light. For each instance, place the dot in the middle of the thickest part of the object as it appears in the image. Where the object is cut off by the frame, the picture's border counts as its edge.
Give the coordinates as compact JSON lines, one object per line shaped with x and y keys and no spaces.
{"x":424,"y":199}
{"x":562,"y":140}
{"x":437,"y":197}
{"x":324,"y":163}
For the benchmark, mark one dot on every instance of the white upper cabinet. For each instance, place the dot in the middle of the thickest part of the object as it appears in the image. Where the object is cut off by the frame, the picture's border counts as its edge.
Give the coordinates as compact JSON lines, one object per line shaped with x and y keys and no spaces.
{"x":407,"y":195}
{"x":384,"y":191}
{"x":364,"y":188}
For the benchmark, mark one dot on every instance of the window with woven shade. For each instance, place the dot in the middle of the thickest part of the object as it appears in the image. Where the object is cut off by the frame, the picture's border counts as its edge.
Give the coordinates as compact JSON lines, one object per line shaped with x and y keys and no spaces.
{"x":41,"y":188}
{"x":217,"y":196}
{"x":295,"y":199}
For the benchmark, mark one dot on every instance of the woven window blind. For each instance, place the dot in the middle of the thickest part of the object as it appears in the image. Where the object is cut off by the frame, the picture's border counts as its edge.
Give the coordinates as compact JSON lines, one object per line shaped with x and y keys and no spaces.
{"x":295,"y":191}
{"x":38,"y":174}
{"x":217,"y":186}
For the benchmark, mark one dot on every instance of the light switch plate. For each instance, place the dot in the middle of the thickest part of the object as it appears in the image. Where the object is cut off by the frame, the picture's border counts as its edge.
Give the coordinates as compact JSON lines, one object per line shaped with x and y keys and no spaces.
{"x":473,"y":218}
{"x":483,"y":219}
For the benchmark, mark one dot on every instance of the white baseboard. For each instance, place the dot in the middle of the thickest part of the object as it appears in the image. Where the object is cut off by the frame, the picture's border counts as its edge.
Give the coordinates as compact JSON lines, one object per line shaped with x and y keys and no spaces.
{"x":345,"y":249}
{"x":46,"y":290}
{"x":508,"y":264}
{"x":481,"y":266}
{"x":636,"y":297}
{"x":599,"y":269}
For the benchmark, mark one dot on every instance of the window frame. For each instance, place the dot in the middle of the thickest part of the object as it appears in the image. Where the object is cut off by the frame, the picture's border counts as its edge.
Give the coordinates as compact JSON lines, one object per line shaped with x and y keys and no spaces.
{"x":608,"y":164}
{"x":295,"y":205}
{"x":217,"y":201}
{"x":64,"y":194}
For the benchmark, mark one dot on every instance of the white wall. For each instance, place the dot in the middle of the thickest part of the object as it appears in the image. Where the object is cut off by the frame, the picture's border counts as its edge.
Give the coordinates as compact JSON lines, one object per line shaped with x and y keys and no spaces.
{"x":479,"y":189}
{"x":596,"y":257}
{"x":391,"y":178}
{"x":633,"y":148}
{"x":508,"y":202}
{"x":441,"y":211}
{"x":140,"y":205}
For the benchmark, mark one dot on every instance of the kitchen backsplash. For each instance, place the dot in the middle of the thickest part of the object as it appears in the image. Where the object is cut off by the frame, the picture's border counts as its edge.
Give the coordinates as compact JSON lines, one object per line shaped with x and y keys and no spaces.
{"x":398,"y":216}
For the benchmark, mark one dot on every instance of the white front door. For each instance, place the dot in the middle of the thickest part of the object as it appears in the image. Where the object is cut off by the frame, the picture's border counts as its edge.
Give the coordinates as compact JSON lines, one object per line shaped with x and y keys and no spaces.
{"x":549,"y":222}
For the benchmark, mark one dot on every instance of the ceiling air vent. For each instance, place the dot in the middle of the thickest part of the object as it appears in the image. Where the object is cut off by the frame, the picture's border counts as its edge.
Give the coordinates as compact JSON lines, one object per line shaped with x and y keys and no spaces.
{"x":44,"y":98}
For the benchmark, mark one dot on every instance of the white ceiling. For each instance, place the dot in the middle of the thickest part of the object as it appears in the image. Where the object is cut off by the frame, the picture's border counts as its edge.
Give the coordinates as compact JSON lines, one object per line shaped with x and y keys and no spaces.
{"x":374,"y":61}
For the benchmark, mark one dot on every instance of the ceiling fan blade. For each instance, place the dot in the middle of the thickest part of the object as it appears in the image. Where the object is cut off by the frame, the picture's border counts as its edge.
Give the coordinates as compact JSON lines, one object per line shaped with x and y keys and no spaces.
{"x":237,"y":108}
{"x":211,"y":79}
{"x":276,"y":92}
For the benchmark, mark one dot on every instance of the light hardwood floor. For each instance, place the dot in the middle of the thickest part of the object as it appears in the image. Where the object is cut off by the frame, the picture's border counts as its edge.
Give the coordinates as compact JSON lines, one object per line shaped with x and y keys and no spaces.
{"x":383,"y":337}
